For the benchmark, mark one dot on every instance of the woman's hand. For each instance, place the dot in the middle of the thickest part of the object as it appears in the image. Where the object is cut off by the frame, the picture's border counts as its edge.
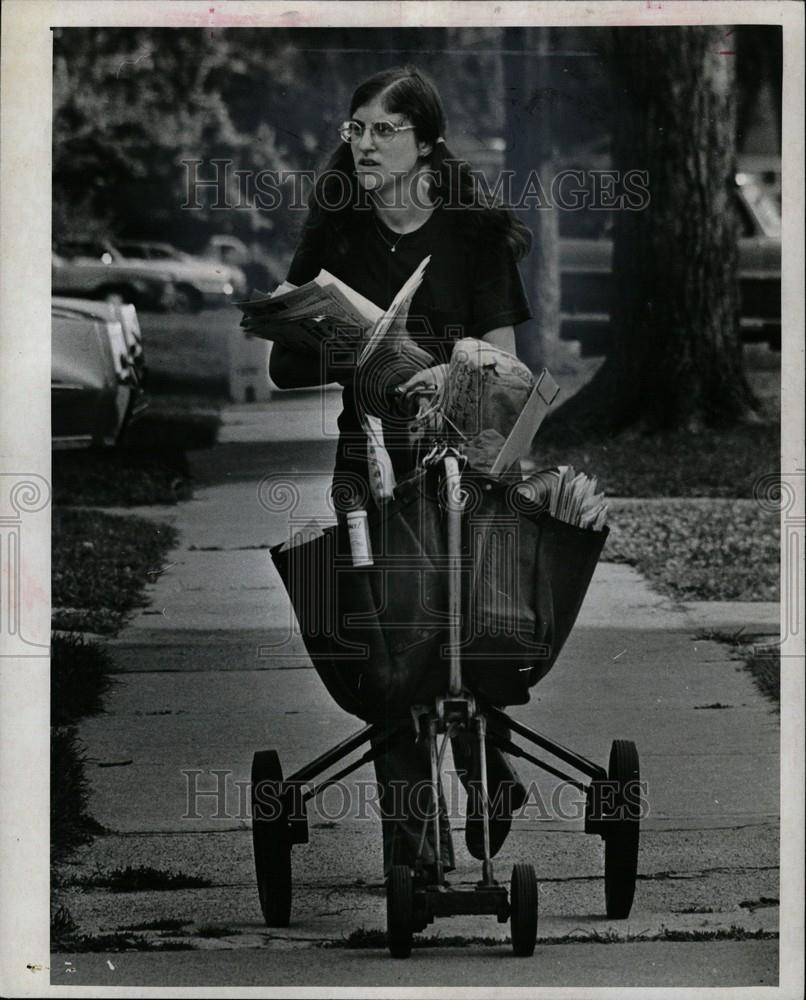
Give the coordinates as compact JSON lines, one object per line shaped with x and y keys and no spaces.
{"x":424,"y":388}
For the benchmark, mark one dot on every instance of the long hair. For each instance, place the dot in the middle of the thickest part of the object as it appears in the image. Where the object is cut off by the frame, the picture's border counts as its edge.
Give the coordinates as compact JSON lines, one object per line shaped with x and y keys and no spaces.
{"x":338,"y":203}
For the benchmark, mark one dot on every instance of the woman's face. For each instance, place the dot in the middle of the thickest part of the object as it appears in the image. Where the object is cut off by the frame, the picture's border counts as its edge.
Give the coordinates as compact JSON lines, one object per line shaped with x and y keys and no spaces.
{"x":383,"y":166}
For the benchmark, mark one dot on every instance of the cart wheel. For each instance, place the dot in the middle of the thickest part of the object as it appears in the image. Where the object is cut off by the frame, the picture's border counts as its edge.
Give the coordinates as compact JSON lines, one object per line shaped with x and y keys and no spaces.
{"x":271,"y":839}
{"x":621,"y":833}
{"x":523,"y":910}
{"x":400,"y":911}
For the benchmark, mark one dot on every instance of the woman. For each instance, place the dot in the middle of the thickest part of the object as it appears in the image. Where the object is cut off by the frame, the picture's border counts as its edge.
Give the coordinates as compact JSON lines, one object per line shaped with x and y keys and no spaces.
{"x":391,"y":195}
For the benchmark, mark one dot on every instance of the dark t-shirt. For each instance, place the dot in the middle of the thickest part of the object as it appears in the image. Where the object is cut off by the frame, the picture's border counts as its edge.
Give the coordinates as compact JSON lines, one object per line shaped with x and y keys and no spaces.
{"x":468,"y":289}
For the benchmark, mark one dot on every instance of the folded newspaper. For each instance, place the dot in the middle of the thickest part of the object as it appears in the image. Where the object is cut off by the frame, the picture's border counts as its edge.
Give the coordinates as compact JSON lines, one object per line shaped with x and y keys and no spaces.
{"x":324,"y":309}
{"x":568,"y":496}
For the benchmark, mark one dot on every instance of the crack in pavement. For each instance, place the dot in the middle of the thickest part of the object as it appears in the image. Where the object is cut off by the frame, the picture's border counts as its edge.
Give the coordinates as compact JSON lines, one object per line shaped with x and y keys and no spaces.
{"x":518,"y":822}
{"x":567,"y":879}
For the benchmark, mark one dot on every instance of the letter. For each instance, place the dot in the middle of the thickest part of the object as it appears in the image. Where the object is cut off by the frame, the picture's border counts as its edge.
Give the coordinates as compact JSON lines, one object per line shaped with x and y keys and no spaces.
{"x":343,"y":809}
{"x":192,"y":184}
{"x":534,"y":800}
{"x":636,"y":190}
{"x":533,"y":189}
{"x":218,"y":794}
{"x":494,"y":195}
{"x":271,"y":189}
{"x":268,"y":801}
{"x":603,"y":798}
{"x":243,"y":175}
{"x":299,"y":202}
{"x":368,"y":800}
{"x":604,"y":195}
{"x":577,"y":802}
{"x":333,"y":177}
{"x":636,"y":802}
{"x":419,"y":191}
{"x":454,"y":188}
{"x":560,"y":195}
{"x":242,"y":786}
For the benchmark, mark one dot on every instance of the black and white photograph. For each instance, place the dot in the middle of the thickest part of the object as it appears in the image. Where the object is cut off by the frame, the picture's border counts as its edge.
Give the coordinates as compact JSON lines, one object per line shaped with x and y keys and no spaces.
{"x":402,"y":577}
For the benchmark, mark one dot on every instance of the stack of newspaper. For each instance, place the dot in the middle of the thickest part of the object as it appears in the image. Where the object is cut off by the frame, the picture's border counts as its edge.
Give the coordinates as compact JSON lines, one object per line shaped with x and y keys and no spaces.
{"x":303,"y":317}
{"x":568,"y":496}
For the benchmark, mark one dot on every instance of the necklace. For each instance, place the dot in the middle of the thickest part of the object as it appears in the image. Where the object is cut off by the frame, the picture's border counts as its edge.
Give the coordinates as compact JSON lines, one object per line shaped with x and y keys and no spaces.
{"x":392,"y":246}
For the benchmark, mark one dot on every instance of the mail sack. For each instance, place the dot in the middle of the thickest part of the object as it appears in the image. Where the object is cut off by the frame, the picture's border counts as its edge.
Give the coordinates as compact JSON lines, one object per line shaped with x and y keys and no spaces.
{"x":374,"y":633}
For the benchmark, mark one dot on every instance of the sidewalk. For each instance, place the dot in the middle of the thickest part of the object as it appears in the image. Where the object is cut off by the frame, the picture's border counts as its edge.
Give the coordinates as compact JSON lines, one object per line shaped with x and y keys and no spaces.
{"x":211,"y":671}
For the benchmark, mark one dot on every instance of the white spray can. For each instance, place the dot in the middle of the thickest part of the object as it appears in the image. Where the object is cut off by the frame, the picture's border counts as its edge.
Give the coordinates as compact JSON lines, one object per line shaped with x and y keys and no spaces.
{"x":358,"y":530}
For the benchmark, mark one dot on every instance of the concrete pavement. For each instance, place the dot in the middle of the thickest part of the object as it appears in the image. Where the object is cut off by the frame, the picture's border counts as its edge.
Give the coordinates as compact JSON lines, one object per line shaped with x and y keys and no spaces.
{"x":213,"y":670}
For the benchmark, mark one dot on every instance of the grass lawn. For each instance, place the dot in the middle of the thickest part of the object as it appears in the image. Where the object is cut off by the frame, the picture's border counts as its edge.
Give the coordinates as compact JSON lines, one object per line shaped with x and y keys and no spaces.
{"x":692,"y":526}
{"x":101,"y":563}
{"x":714,"y":463}
{"x":717,"y":463}
{"x":706,"y":550}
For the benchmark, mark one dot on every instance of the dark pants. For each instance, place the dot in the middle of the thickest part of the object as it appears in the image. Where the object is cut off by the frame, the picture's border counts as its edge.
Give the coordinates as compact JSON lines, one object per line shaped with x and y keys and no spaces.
{"x":406,"y":796}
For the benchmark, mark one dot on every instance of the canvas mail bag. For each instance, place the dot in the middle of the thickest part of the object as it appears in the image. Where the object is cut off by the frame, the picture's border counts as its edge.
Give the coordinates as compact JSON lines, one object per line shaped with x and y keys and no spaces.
{"x":378,"y":635}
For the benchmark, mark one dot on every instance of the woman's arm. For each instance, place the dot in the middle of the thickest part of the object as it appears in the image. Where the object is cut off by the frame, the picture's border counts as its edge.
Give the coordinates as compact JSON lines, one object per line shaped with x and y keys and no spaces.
{"x":294,"y":370}
{"x":434,"y":378}
{"x":503,"y":337}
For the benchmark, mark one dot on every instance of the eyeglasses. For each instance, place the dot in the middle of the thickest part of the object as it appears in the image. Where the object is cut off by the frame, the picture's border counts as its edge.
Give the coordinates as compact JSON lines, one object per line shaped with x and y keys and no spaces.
{"x":380,"y":131}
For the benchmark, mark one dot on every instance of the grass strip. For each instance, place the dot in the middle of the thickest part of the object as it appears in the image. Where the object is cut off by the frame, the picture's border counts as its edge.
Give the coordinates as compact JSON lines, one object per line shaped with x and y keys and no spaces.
{"x":121,"y":477}
{"x":722,"y":550}
{"x":101,"y":562}
{"x":366,"y":939}
{"x":164,"y":924}
{"x":70,"y":823}
{"x":79,"y":678}
{"x":718,"y":463}
{"x":213,"y":931}
{"x":762,"y":660}
{"x":65,"y":937}
{"x":144,"y":879}
{"x":764,"y":666}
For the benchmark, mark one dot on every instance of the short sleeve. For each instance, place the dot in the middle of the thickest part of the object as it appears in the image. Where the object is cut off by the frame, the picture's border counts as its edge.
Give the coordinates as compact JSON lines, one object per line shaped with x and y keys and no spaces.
{"x":499,"y":298}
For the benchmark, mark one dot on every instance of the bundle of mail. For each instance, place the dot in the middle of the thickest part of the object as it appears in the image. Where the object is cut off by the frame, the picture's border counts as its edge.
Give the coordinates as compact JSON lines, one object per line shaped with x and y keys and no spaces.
{"x":568,"y":496}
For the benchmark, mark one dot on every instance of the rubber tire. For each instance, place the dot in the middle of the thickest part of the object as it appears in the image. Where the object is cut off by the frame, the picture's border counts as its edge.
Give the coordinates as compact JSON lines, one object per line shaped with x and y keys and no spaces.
{"x":621,"y":835}
{"x":187,"y":300}
{"x":523,"y":910}
{"x":400,"y":911}
{"x":271,"y":840}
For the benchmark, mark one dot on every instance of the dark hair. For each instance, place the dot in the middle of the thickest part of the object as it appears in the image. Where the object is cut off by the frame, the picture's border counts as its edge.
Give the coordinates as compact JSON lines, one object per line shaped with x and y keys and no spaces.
{"x":338,"y":201}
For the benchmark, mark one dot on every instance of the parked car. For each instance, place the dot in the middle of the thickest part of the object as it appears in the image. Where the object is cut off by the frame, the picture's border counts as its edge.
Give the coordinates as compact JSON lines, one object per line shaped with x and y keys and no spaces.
{"x":260,"y":268}
{"x":206,"y":281}
{"x":97,"y":368}
{"x":89,"y":271}
{"x":586,"y":249}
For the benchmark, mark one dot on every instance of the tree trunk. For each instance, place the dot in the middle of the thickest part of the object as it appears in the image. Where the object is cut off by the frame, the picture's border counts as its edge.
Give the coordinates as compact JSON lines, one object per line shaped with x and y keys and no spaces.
{"x":530,"y":154}
{"x":675,"y":359}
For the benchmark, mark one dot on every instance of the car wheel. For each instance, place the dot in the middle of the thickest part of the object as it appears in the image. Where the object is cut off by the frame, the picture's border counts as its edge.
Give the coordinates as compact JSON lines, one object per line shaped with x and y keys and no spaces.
{"x":400,"y":911}
{"x":622,"y":831}
{"x":271,"y":839}
{"x":523,"y":910}
{"x":187,"y":300}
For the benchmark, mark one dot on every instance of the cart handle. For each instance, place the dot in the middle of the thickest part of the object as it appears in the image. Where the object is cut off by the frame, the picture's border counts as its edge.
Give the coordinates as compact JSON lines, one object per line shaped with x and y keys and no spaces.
{"x":455,"y":502}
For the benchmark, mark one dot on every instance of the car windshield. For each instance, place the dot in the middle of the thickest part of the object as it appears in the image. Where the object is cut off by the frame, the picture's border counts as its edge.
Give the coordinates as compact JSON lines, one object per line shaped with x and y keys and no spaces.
{"x":133,"y":251}
{"x":81,"y":248}
{"x":166,"y":253}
